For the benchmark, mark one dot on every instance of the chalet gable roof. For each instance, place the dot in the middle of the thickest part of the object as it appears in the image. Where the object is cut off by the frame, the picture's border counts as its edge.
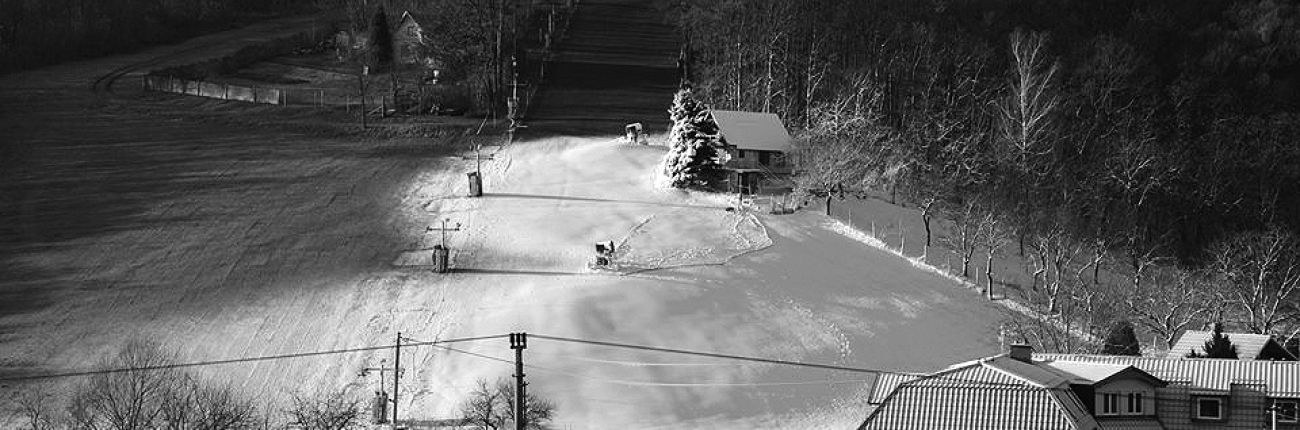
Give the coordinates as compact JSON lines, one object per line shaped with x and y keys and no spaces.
{"x":755,"y":131}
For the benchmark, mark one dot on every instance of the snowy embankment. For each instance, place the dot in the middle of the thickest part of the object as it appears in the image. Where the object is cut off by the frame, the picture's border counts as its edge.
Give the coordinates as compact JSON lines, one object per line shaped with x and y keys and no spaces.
{"x":921,"y":264}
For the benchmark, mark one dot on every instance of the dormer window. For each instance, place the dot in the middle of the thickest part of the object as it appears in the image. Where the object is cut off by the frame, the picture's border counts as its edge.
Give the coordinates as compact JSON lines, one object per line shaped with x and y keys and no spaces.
{"x":1109,"y":404}
{"x":1209,"y":408}
{"x":1134,"y":404}
{"x":1122,"y":403}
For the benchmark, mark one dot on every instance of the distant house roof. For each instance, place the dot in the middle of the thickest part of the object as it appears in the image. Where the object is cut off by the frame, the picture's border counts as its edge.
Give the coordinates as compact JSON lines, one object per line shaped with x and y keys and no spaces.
{"x":1279,"y":378}
{"x":1249,"y":346}
{"x":1043,"y":391}
{"x":753,"y":130}
{"x":994,"y":393}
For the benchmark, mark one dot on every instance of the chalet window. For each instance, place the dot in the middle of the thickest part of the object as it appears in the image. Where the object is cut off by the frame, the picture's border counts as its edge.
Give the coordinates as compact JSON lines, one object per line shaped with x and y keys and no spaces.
{"x":764,"y":157}
{"x":1109,"y":404}
{"x":1287,"y":410}
{"x":1135,"y":403}
{"x":1209,"y":408}
{"x":740,"y":153}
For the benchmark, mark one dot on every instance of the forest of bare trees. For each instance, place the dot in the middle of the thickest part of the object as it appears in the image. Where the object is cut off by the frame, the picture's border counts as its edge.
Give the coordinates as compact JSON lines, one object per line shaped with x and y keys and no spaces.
{"x":1151,"y":140}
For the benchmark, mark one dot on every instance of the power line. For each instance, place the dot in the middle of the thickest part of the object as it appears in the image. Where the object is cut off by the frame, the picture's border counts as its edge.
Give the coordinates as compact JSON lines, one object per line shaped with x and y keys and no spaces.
{"x":237,"y":360}
{"x":877,"y":372}
{"x":716,"y":355}
{"x":658,"y":384}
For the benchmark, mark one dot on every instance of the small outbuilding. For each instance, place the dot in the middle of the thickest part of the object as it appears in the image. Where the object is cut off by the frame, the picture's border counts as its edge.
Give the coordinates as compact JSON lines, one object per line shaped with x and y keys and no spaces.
{"x":758,"y":147}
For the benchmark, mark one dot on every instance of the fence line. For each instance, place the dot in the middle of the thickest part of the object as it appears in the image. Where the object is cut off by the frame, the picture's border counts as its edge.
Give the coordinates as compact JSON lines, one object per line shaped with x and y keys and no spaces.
{"x":318,"y":97}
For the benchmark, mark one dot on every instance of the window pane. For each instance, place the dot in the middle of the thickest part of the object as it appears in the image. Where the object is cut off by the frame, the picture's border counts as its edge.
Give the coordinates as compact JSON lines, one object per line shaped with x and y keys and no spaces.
{"x":1286,"y":411}
{"x":1207,"y":408}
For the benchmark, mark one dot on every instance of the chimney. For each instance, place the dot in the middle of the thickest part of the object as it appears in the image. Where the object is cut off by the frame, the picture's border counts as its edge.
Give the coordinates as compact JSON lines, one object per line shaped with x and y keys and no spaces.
{"x":1022,"y":352}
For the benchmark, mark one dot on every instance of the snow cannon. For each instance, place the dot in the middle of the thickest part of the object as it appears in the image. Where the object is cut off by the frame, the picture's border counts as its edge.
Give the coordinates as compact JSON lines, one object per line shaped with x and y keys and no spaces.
{"x":440,"y":254}
{"x":379,"y":408}
{"x":475,"y":184}
{"x":604,"y":253}
{"x":634,"y":133}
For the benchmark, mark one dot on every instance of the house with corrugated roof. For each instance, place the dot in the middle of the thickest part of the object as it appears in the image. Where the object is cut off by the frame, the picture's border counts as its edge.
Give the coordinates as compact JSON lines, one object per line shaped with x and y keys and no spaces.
{"x":1249,"y":346}
{"x":758,"y":148}
{"x":1022,"y":390}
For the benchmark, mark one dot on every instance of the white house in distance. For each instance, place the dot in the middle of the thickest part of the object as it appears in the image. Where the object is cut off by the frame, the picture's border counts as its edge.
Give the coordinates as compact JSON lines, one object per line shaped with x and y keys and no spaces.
{"x":758,"y":147}
{"x":1249,"y":346}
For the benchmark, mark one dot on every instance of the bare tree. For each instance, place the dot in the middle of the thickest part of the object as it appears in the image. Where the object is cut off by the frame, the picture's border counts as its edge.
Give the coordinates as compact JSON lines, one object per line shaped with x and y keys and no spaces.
{"x":1173,"y":300}
{"x":34,"y":408}
{"x":1053,"y":253}
{"x":331,"y":410}
{"x":1026,"y":120}
{"x":965,"y":235}
{"x":1261,"y":275}
{"x":191,"y":405}
{"x":484,"y":407}
{"x":491,"y":406}
{"x":145,"y":398}
{"x":993,"y":235}
{"x":131,"y":400}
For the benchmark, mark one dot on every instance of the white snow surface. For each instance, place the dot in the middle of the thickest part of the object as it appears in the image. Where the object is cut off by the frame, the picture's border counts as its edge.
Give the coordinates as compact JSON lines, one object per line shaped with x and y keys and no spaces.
{"x":784,"y":287}
{"x":693,"y":276}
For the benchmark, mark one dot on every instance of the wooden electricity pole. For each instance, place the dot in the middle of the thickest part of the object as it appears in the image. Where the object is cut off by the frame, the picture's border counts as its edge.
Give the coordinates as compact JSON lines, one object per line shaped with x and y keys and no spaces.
{"x":361,"y":82}
{"x":519,"y":342}
{"x":397,"y":372}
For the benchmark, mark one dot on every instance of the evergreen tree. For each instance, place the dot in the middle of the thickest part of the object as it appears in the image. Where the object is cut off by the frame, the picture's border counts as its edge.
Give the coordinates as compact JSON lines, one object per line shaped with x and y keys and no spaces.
{"x":1218,"y":346}
{"x":694,"y":159}
{"x":381,"y":39}
{"x":1122,"y":340}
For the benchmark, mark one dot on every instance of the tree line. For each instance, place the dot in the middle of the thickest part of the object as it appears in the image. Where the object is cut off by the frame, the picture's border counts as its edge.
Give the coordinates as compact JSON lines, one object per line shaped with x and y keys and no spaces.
{"x":1149,"y":139}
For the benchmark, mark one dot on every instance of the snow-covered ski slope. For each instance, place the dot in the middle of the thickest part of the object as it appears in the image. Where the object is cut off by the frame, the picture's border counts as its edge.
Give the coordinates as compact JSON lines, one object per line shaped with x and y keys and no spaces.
{"x":792,"y":289}
{"x":126,"y":218}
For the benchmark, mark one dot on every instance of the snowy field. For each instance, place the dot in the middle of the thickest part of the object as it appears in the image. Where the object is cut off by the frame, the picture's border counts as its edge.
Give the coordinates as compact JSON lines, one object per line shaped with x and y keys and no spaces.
{"x":228,"y":242}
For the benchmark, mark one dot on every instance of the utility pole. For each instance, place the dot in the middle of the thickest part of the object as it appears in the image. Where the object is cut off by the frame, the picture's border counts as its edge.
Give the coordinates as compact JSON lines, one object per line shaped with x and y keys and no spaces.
{"x":444,"y":229}
{"x":1273,"y":414}
{"x":380,"y":414}
{"x":519,"y":342}
{"x":397,"y":372}
{"x":478,"y":158}
{"x":361,"y":82}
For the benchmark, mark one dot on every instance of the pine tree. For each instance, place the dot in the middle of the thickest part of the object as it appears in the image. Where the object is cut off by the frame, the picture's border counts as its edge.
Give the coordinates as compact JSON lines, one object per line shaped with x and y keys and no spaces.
{"x":381,"y":39}
{"x":694,"y":158}
{"x":1218,"y":346}
{"x":1122,"y":340}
